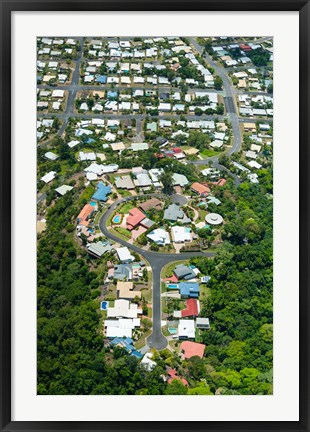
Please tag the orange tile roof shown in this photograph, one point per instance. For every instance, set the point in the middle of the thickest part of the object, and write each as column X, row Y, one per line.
column 84, row 214
column 200, row 188
column 221, row 182
column 191, row 349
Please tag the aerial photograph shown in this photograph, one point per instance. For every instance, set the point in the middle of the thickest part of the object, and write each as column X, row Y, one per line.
column 154, row 215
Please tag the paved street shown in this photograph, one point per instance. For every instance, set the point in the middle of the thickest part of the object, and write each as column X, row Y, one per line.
column 229, row 94
column 157, row 261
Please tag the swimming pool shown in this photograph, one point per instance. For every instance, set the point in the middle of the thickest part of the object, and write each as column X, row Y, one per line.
column 104, row 305
column 93, row 203
column 172, row 286
column 117, row 219
column 172, row 330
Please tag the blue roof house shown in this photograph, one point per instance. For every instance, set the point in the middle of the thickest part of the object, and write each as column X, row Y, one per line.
column 102, row 79
column 112, row 94
column 189, row 289
column 127, row 344
column 102, row 192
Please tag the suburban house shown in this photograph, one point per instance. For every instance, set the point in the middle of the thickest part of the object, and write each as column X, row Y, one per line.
column 99, row 248
column 186, row 329
column 126, row 344
column 122, row 271
column 134, row 218
column 184, row 272
column 102, row 192
column 180, row 234
column 203, row 323
column 189, row 289
column 123, row 309
column 200, row 189
column 85, row 214
column 124, row 182
column 120, row 327
column 151, row 203
column 173, row 375
column 125, row 291
column 174, row 213
column 159, row 236
column 191, row 349
column 192, row 310
column 62, row 190
column 124, row 255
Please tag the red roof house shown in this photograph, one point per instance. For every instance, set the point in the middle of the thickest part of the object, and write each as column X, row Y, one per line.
column 172, row 278
column 85, row 213
column 176, row 150
column 192, row 308
column 134, row 218
column 245, row 47
column 200, row 189
column 191, row 349
column 174, row 375
column 220, row 182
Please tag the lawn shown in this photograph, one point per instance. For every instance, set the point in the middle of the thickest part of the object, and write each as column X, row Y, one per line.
column 147, row 294
column 87, row 193
column 124, row 192
column 125, row 208
column 123, row 231
column 98, row 216
column 167, row 271
column 204, row 291
column 141, row 342
column 202, row 215
column 209, row 153
column 112, row 231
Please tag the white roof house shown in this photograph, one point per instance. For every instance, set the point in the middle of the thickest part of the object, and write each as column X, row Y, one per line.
column 58, row 93
column 180, row 234
column 90, row 156
column 94, row 168
column 62, row 190
column 124, row 254
column 164, row 106
column 251, row 154
column 49, row 177
column 73, row 143
column 214, row 219
column 186, row 329
column 123, row 308
column 91, row 176
column 159, row 236
column 110, row 136
column 147, row 363
column 179, row 180
column 121, row 327
column 51, row 156
column 254, row 164
column 139, row 146
column 216, row 143
column 143, row 180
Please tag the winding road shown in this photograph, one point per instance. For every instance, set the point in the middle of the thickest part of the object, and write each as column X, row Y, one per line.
column 156, row 260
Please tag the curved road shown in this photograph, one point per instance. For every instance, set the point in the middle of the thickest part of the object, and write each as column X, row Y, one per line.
column 156, row 260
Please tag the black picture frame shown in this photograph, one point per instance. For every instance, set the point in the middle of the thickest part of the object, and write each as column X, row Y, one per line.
column 7, row 7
